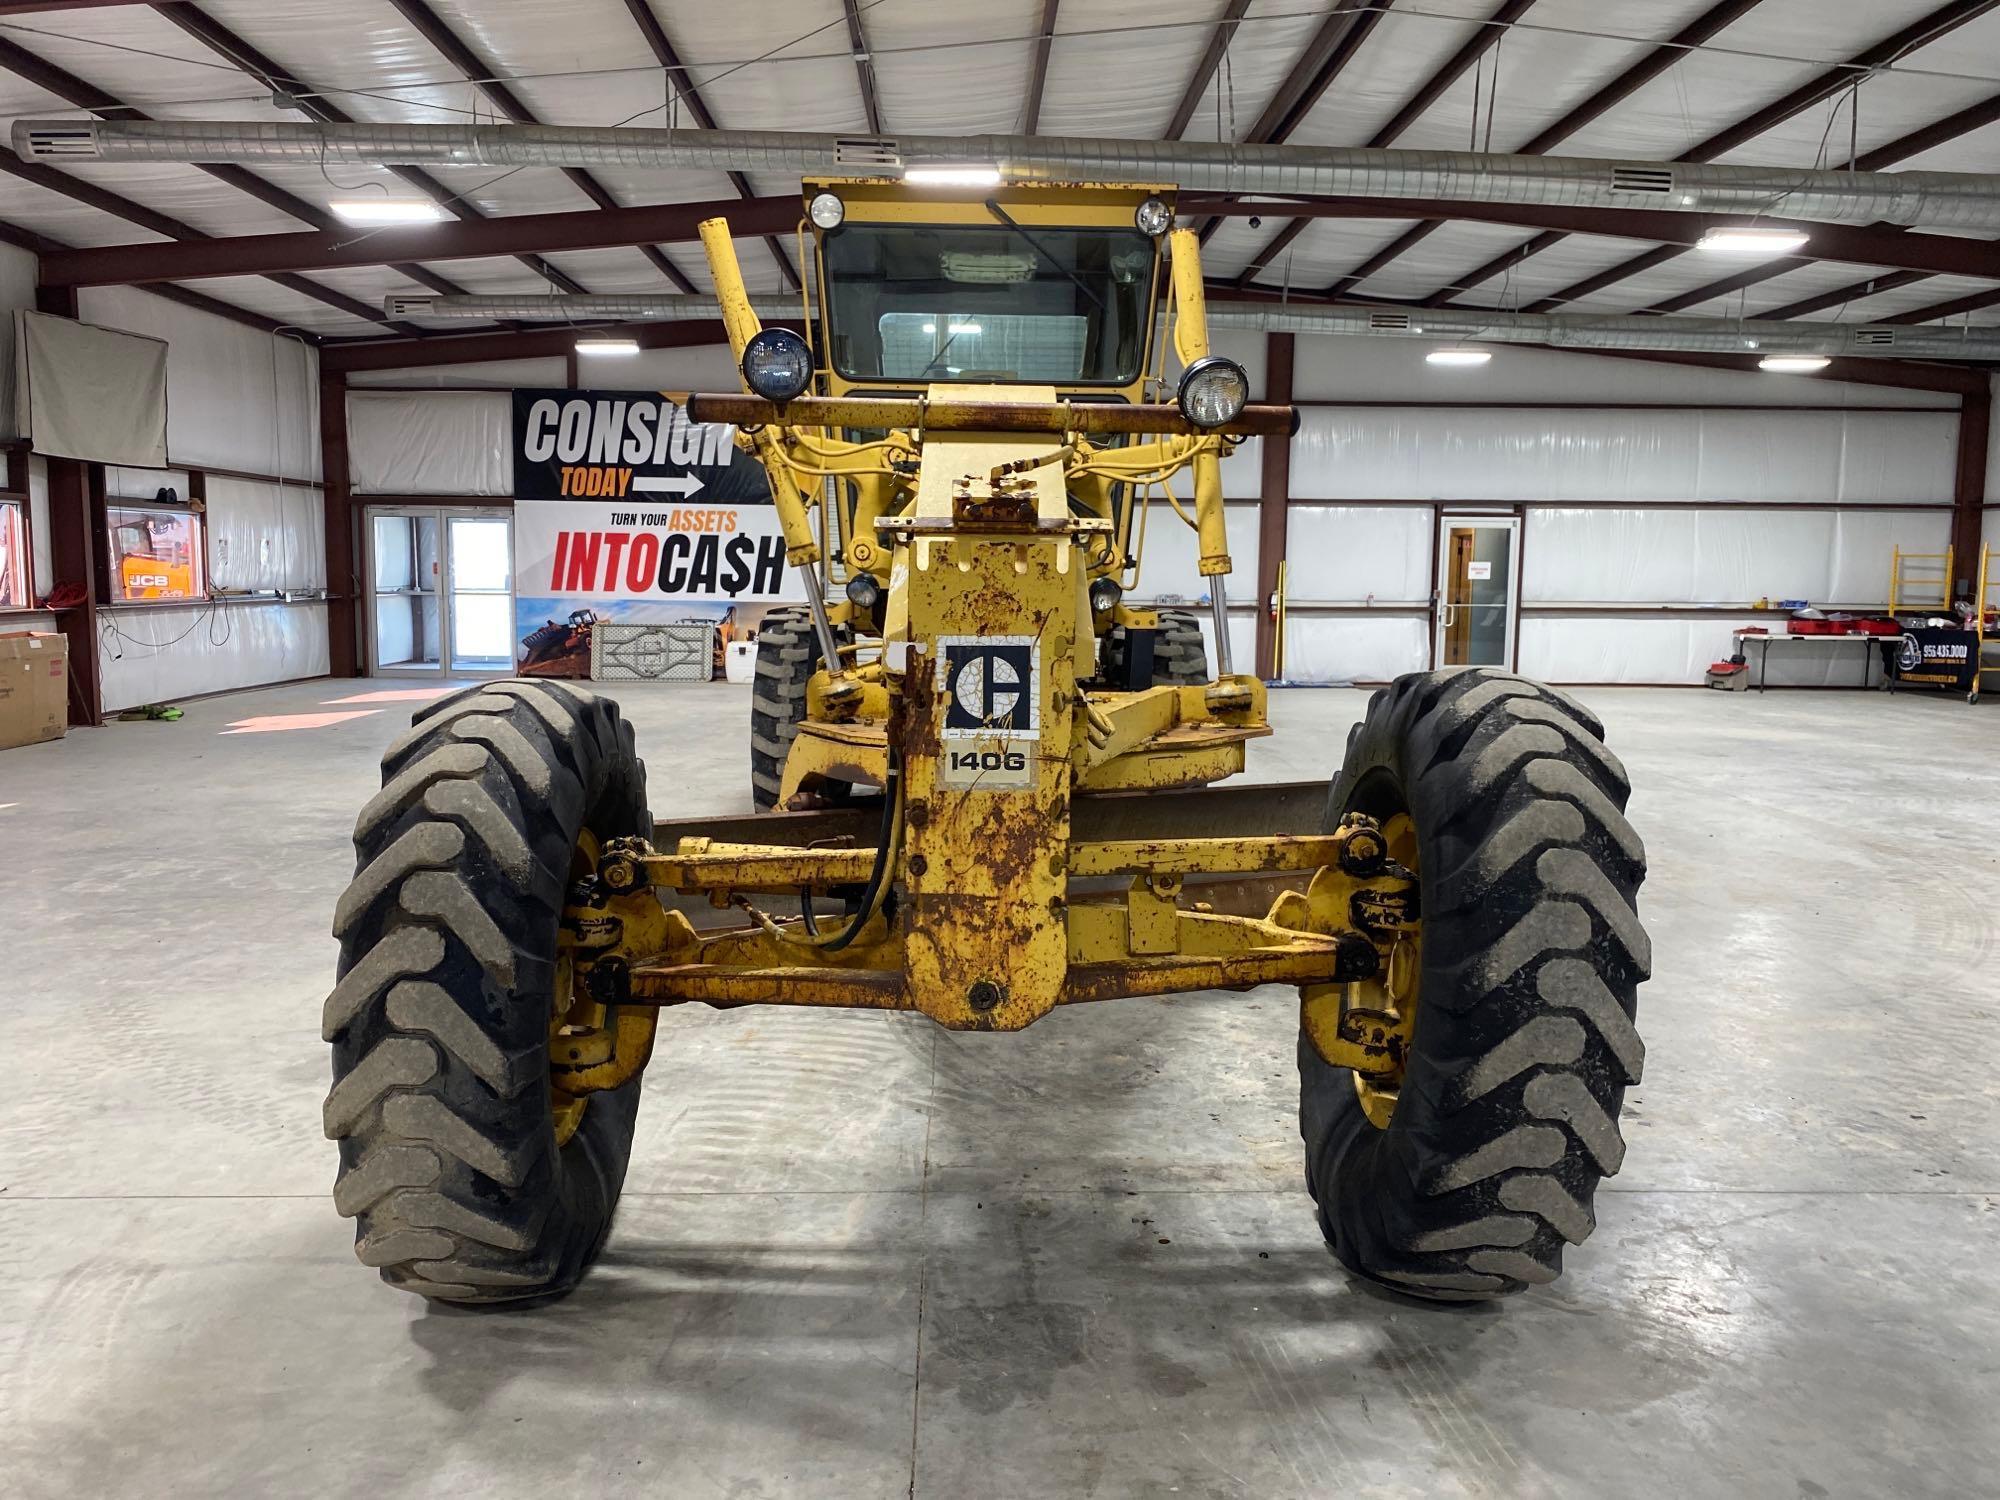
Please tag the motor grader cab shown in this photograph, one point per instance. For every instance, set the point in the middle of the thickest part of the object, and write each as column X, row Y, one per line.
column 990, row 800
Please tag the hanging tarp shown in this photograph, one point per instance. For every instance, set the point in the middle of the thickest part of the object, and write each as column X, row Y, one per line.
column 90, row 393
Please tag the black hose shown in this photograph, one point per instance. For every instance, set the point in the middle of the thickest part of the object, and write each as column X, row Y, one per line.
column 885, row 854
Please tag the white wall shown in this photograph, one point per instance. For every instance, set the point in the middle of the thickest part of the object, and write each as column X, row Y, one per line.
column 1623, row 508
column 17, row 294
column 1643, row 528
column 236, row 399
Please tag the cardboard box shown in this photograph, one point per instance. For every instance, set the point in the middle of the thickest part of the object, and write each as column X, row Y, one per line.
column 34, row 688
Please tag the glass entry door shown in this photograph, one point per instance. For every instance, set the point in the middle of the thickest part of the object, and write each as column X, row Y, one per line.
column 440, row 591
column 1478, row 589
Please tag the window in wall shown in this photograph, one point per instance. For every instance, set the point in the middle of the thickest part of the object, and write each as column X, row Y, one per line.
column 155, row 553
column 14, row 565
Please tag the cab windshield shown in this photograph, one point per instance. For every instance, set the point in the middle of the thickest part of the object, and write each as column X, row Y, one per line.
column 1023, row 303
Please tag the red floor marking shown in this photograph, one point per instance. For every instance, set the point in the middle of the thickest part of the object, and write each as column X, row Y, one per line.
column 278, row 723
column 399, row 695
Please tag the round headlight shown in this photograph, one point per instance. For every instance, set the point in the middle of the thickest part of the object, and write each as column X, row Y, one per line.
column 777, row 365
column 826, row 210
column 864, row 592
column 1154, row 217
column 1213, row 391
column 1104, row 595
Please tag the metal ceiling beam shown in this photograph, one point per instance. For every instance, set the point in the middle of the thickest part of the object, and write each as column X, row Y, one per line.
column 1319, row 65
column 1628, row 82
column 1433, row 88
column 1929, row 137
column 119, row 206
column 225, row 43
column 260, row 254
column 39, row 7
column 1204, row 68
column 864, row 64
column 1815, row 90
column 672, row 223
column 1975, row 302
column 685, row 92
column 1325, row 58
column 1841, row 296
column 537, row 343
column 1038, row 70
column 427, row 24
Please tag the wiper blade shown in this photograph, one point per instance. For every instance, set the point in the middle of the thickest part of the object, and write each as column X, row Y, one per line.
column 1046, row 254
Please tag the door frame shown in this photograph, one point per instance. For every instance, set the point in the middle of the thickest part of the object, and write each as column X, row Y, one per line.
column 443, row 511
column 1508, row 521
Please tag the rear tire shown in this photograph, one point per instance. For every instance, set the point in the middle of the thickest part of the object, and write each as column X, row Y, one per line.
column 1180, row 654
column 1532, row 953
column 440, row 1019
column 788, row 655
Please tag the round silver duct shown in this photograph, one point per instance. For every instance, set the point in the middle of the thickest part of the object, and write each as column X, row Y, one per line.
column 1582, row 331
column 1949, row 200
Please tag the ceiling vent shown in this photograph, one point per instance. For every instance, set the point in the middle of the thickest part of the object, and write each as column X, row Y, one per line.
column 59, row 142
column 1874, row 338
column 1389, row 322
column 866, row 151
column 408, row 307
column 1654, row 182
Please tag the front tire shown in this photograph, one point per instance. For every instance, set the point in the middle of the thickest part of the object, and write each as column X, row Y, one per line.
column 1506, row 1116
column 441, row 1102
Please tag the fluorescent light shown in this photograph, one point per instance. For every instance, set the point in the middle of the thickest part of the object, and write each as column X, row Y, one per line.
column 966, row 176
column 388, row 211
column 1458, row 356
column 607, row 346
column 930, row 328
column 1748, row 240
column 1793, row 364
column 965, row 328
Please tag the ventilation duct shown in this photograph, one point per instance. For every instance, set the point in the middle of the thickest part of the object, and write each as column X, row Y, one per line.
column 1451, row 325
column 1948, row 200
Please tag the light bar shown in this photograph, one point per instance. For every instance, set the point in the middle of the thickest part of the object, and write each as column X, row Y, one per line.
column 1793, row 364
column 1458, row 356
column 961, row 176
column 607, row 346
column 371, row 211
column 1748, row 240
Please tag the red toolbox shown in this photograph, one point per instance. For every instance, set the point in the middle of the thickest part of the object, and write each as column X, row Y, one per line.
column 1876, row 626
column 1797, row 626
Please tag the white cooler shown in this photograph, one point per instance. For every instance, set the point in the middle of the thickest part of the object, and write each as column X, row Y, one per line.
column 739, row 662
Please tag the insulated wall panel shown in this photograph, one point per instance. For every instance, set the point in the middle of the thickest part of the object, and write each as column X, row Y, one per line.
column 1665, row 556
column 17, row 293
column 157, row 654
column 1354, row 648
column 1676, row 649
column 1356, row 554
column 430, row 442
column 236, row 398
column 1652, row 456
column 265, row 536
column 38, row 522
column 1169, row 568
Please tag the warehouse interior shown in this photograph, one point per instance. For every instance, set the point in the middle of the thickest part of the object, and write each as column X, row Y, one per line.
column 280, row 415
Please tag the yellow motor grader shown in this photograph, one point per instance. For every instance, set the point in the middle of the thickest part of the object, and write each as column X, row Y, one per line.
column 995, row 790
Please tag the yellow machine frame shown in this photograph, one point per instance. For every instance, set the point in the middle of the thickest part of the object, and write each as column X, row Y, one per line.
column 1039, row 839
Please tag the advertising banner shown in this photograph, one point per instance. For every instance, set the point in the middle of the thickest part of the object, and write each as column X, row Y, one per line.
column 625, row 512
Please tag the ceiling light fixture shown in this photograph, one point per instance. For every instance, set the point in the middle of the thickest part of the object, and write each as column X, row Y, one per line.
column 1749, row 240
column 372, row 211
column 1793, row 364
column 953, row 176
column 1461, row 357
column 607, row 346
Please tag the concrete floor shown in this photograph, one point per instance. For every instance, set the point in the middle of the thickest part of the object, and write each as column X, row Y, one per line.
column 859, row 1256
